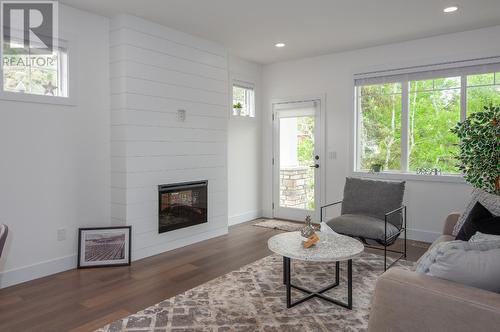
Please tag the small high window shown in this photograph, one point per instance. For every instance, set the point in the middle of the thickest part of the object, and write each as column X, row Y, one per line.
column 36, row 74
column 243, row 100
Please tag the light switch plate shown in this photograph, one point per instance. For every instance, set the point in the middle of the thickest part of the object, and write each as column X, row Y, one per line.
column 61, row 234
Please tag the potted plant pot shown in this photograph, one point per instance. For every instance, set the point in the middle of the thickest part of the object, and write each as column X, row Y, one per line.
column 376, row 168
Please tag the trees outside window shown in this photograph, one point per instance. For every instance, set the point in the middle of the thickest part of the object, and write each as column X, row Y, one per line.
column 434, row 109
column 405, row 125
column 482, row 90
column 380, row 126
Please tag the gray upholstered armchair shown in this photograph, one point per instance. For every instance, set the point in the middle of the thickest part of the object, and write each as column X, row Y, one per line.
column 372, row 211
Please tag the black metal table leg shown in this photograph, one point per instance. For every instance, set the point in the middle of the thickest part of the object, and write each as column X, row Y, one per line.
column 284, row 270
column 337, row 272
column 286, row 262
column 349, row 284
column 319, row 294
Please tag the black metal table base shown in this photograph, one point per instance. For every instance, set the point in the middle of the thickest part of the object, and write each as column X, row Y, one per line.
column 319, row 294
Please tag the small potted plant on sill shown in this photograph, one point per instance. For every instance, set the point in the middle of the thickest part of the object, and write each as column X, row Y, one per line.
column 479, row 154
column 237, row 109
column 376, row 167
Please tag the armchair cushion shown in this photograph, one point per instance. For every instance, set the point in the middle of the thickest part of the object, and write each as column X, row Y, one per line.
column 362, row 226
column 373, row 198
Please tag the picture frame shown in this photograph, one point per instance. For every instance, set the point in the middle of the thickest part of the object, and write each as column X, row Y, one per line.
column 104, row 246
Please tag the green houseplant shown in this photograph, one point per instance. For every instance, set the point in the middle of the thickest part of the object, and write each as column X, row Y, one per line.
column 237, row 108
column 376, row 167
column 479, row 155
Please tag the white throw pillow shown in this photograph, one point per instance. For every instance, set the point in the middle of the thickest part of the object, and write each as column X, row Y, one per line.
column 475, row 264
column 481, row 237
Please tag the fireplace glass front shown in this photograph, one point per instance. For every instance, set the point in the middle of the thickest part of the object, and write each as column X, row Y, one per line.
column 182, row 205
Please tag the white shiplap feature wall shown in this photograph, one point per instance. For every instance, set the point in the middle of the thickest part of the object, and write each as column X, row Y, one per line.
column 156, row 71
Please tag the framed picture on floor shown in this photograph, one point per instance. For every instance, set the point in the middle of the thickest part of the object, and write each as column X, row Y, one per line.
column 104, row 246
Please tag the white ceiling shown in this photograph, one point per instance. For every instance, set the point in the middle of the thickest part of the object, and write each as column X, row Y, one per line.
column 250, row 28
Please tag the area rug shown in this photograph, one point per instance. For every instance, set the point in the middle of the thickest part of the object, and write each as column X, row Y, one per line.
column 253, row 299
column 282, row 225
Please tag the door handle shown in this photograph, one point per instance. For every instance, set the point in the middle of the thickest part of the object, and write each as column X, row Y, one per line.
column 314, row 166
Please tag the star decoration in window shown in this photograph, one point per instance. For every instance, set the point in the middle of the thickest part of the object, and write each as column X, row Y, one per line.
column 49, row 88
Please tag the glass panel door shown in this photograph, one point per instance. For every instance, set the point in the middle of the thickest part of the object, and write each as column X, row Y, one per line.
column 296, row 161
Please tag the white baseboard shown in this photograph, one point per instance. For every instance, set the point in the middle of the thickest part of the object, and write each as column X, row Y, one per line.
column 182, row 242
column 38, row 270
column 46, row 268
column 420, row 235
column 244, row 217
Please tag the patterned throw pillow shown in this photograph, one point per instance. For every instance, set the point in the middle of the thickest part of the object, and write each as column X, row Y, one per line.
column 480, row 219
column 481, row 237
column 474, row 264
column 489, row 201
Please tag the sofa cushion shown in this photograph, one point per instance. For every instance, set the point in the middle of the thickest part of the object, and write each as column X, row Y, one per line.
column 474, row 264
column 441, row 239
column 479, row 220
column 363, row 227
column 373, row 198
column 489, row 201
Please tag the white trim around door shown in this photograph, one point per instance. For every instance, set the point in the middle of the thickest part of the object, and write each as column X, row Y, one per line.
column 304, row 106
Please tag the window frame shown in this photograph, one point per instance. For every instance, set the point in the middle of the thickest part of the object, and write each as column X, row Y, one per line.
column 69, row 77
column 247, row 86
column 404, row 172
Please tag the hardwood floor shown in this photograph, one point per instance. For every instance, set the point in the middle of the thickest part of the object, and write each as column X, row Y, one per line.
column 84, row 300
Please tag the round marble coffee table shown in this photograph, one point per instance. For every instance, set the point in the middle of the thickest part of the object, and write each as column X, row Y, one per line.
column 330, row 248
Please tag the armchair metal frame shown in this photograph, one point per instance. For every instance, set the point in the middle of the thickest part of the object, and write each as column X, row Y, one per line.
column 391, row 239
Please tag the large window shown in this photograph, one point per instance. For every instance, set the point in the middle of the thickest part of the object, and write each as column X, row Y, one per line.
column 404, row 121
column 37, row 74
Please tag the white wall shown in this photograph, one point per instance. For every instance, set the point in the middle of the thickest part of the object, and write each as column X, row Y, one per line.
column 55, row 160
column 245, row 149
column 428, row 202
column 156, row 71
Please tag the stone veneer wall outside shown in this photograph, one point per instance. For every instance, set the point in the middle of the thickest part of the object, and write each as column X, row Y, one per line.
column 293, row 186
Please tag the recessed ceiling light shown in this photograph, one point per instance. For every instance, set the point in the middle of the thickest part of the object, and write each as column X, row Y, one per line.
column 450, row 9
column 279, row 44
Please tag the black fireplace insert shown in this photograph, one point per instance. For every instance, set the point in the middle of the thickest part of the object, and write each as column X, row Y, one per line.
column 182, row 205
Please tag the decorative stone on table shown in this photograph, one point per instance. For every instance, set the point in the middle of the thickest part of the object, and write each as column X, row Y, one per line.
column 308, row 233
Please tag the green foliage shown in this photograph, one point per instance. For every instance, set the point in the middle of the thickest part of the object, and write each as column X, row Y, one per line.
column 305, row 153
column 479, row 157
column 238, row 106
column 305, row 144
column 434, row 107
column 481, row 91
column 381, row 126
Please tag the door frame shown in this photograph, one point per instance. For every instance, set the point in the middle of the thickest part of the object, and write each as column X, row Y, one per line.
column 320, row 146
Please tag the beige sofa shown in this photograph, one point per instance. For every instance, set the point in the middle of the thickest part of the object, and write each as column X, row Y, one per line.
column 407, row 301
